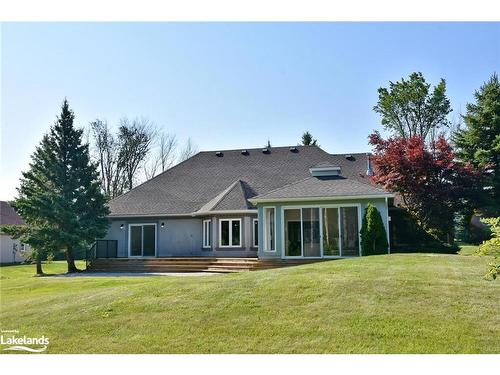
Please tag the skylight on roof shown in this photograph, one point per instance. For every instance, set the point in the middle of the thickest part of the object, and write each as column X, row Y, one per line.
column 325, row 171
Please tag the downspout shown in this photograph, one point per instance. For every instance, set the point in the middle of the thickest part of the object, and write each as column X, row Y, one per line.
column 387, row 219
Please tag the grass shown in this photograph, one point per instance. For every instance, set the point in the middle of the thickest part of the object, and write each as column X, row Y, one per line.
column 468, row 249
column 401, row 303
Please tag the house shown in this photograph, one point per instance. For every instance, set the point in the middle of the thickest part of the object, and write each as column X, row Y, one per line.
column 11, row 250
column 271, row 203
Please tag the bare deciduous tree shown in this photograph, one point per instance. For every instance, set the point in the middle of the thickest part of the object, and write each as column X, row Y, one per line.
column 106, row 153
column 164, row 156
column 135, row 140
column 168, row 145
column 189, row 150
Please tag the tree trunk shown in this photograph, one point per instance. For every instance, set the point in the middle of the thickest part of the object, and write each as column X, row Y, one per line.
column 39, row 270
column 71, row 260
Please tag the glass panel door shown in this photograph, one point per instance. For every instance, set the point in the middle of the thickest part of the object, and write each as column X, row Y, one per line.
column 331, row 245
column 293, row 235
column 310, row 231
column 349, row 231
column 148, row 241
column 143, row 240
column 135, row 241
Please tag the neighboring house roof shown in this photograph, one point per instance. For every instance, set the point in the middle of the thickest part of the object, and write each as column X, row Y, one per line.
column 322, row 187
column 213, row 181
column 8, row 216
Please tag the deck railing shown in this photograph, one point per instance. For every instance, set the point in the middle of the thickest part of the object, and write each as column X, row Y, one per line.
column 101, row 249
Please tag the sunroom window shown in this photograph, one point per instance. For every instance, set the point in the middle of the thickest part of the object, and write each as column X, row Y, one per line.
column 255, row 233
column 269, row 229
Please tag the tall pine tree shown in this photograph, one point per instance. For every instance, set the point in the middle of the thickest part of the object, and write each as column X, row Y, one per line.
column 479, row 143
column 59, row 196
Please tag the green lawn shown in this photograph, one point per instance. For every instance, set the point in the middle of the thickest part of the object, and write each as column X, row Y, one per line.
column 468, row 249
column 407, row 303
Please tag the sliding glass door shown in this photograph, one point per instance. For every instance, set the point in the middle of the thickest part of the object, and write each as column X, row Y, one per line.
column 331, row 232
column 349, row 231
column 314, row 232
column 310, row 229
column 142, row 240
column 293, row 233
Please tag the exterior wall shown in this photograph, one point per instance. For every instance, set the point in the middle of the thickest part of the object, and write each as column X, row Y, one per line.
column 7, row 255
column 379, row 203
column 183, row 236
column 246, row 249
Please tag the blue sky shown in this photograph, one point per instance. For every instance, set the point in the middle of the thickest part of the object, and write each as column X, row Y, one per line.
column 227, row 85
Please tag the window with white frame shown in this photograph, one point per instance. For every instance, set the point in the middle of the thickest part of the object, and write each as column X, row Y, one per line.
column 269, row 229
column 207, row 234
column 230, row 232
column 255, row 232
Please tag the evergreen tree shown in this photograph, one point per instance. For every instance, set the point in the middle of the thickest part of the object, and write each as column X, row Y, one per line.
column 59, row 196
column 307, row 139
column 479, row 143
column 373, row 234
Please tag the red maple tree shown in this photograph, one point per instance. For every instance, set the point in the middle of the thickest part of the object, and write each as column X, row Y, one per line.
column 427, row 177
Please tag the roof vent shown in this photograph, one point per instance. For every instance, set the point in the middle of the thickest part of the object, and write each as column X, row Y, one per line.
column 244, row 152
column 293, row 149
column 369, row 170
column 219, row 154
column 349, row 157
column 265, row 150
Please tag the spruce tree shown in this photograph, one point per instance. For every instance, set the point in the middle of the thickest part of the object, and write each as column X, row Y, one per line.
column 308, row 140
column 59, row 196
column 479, row 143
column 373, row 234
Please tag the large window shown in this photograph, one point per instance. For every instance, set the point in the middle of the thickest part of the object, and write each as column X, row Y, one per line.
column 142, row 240
column 255, row 227
column 230, row 232
column 314, row 232
column 269, row 229
column 310, row 232
column 350, row 231
column 207, row 234
column 293, row 232
column 331, row 233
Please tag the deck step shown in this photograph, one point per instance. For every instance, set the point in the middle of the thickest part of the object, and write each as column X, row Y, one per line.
column 191, row 264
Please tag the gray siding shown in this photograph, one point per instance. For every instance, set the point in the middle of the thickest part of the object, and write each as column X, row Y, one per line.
column 183, row 236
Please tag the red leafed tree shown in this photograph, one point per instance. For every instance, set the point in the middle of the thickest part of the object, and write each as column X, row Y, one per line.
column 431, row 183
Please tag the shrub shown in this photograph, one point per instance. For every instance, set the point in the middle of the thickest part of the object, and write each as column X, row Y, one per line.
column 373, row 234
column 492, row 247
column 407, row 236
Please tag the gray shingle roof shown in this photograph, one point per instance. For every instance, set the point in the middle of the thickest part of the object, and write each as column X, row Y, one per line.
column 322, row 187
column 8, row 216
column 207, row 180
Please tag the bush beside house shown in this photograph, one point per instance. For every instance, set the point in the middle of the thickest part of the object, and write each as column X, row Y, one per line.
column 373, row 234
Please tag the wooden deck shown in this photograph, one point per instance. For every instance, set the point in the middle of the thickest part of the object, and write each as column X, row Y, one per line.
column 191, row 264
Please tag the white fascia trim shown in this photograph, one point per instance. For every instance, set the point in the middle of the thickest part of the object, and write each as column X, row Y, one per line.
column 193, row 214
column 131, row 216
column 228, row 212
column 305, row 199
